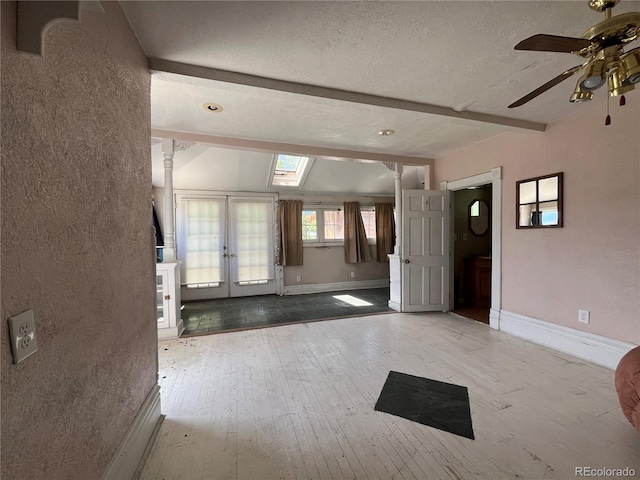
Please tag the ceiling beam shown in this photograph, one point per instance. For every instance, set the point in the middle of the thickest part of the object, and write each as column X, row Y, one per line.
column 288, row 148
column 160, row 65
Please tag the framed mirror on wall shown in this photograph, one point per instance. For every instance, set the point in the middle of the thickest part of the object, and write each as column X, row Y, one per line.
column 539, row 202
column 478, row 217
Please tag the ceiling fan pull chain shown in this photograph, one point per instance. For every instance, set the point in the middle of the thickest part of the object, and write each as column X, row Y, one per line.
column 607, row 121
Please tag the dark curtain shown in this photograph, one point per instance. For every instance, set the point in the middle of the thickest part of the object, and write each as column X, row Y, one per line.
column 385, row 231
column 290, row 229
column 356, row 247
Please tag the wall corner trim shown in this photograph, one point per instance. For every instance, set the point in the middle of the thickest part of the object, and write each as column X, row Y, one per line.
column 587, row 346
column 136, row 444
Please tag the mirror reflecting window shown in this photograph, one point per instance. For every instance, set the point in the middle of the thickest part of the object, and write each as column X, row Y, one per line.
column 478, row 218
column 539, row 202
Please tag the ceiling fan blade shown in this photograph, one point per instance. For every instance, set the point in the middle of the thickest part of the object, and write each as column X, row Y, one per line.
column 551, row 83
column 553, row 43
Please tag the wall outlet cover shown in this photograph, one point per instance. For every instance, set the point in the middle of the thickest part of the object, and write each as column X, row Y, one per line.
column 22, row 330
column 583, row 316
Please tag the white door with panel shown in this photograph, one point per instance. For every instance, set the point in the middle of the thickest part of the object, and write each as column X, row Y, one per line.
column 425, row 250
column 226, row 245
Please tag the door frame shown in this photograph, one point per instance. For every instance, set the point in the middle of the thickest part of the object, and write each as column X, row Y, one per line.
column 494, row 177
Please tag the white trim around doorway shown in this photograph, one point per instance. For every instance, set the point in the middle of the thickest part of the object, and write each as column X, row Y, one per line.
column 494, row 177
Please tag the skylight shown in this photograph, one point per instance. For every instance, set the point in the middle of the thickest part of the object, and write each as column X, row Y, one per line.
column 289, row 170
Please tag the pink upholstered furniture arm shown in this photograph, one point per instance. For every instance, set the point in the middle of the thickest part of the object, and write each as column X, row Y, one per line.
column 628, row 386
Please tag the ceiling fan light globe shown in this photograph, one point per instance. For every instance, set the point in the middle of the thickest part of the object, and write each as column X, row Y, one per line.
column 593, row 82
column 580, row 95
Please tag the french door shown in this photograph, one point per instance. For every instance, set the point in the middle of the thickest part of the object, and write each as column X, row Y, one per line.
column 226, row 245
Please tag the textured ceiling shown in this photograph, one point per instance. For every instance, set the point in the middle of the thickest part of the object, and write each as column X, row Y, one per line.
column 453, row 54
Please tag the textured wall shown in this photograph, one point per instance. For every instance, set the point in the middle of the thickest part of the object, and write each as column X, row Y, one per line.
column 593, row 262
column 76, row 244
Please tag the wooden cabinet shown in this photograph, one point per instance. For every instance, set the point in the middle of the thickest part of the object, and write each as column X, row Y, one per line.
column 170, row 325
column 477, row 276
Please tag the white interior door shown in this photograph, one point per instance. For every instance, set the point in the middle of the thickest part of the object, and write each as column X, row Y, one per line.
column 425, row 250
column 251, row 246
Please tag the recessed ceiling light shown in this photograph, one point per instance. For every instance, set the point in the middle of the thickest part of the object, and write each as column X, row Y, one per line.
column 212, row 107
column 386, row 132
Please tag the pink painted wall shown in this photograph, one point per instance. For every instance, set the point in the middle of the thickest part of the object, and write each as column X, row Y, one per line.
column 593, row 262
column 76, row 244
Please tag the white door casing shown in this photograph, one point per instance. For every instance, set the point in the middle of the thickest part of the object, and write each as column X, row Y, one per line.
column 425, row 250
column 494, row 176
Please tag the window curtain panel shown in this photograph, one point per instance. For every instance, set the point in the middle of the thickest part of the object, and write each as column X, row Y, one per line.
column 290, row 238
column 385, row 231
column 356, row 247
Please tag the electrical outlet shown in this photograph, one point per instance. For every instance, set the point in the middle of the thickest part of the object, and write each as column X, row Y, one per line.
column 298, row 278
column 22, row 329
column 583, row 316
column 353, row 274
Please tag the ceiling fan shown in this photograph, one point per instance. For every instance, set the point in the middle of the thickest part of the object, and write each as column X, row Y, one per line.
column 603, row 47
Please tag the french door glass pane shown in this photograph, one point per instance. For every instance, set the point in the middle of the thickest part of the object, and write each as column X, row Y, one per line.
column 254, row 241
column 204, row 241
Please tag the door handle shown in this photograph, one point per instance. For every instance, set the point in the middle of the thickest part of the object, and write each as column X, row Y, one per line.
column 232, row 255
column 406, row 260
column 224, row 254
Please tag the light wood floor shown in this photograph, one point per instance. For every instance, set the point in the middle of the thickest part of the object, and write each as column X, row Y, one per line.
column 296, row 402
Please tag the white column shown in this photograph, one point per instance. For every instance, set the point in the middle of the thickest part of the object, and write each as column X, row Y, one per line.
column 169, row 251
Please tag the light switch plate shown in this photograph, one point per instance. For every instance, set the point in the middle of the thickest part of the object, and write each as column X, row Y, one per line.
column 22, row 329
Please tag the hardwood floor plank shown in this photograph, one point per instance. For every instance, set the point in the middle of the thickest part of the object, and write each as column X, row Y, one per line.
column 297, row 402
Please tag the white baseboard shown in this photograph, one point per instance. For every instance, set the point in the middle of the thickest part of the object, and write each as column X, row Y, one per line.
column 134, row 448
column 171, row 332
column 335, row 287
column 494, row 318
column 587, row 346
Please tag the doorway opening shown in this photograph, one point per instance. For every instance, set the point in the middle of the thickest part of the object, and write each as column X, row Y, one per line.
column 472, row 252
column 493, row 178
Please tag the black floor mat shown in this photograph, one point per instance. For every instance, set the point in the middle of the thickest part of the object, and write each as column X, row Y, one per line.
column 437, row 404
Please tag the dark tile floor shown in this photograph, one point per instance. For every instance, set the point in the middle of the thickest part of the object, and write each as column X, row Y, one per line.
column 210, row 316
